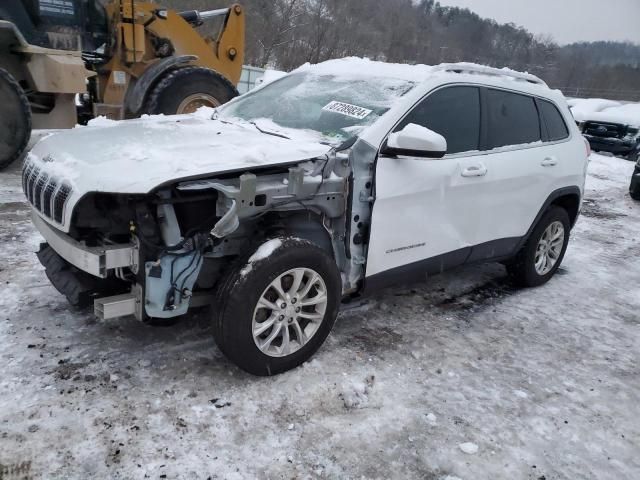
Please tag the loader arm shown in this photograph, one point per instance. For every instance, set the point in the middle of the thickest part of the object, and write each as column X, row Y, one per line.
column 149, row 44
column 225, row 54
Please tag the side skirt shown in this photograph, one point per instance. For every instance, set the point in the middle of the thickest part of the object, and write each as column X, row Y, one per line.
column 495, row 250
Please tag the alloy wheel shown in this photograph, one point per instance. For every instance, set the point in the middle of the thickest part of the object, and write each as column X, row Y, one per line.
column 549, row 248
column 289, row 312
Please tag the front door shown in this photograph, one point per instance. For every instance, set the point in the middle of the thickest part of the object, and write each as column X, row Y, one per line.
column 425, row 209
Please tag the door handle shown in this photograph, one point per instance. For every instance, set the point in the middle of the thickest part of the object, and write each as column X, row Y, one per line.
column 549, row 162
column 478, row 170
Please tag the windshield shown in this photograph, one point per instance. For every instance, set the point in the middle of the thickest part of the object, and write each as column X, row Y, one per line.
column 332, row 108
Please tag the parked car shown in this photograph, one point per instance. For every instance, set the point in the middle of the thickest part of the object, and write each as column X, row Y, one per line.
column 333, row 181
column 634, row 187
column 614, row 129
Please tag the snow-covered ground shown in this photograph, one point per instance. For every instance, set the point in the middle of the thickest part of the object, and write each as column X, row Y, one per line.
column 462, row 377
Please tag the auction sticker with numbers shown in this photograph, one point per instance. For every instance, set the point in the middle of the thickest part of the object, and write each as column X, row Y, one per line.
column 347, row 109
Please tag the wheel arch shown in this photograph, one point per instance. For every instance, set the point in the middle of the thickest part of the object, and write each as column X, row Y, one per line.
column 568, row 198
column 136, row 96
column 308, row 225
column 182, row 75
column 10, row 60
column 570, row 201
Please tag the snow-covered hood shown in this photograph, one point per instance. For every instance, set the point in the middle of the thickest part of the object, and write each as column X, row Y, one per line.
column 628, row 114
column 138, row 155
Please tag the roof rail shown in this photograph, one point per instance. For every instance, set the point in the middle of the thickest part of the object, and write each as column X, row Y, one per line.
column 472, row 68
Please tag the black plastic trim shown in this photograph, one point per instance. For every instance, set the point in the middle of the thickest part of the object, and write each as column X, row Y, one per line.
column 493, row 251
column 405, row 152
column 417, row 271
column 483, row 142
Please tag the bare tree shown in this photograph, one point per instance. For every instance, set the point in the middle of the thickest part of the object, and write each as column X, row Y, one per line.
column 286, row 33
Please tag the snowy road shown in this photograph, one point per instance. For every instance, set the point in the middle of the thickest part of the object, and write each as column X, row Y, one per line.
column 461, row 377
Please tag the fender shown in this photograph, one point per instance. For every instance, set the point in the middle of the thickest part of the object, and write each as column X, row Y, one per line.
column 136, row 95
column 555, row 195
column 17, row 25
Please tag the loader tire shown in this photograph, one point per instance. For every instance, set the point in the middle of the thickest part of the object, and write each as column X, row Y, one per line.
column 186, row 89
column 15, row 120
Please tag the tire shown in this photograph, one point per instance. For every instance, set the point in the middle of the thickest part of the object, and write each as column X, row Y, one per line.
column 15, row 120
column 523, row 269
column 183, row 89
column 237, row 314
column 634, row 191
column 77, row 286
column 633, row 156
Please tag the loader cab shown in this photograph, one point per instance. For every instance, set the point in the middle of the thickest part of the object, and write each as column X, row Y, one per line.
column 61, row 25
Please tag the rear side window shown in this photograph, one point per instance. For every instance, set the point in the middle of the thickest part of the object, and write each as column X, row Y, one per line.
column 556, row 128
column 513, row 119
column 454, row 113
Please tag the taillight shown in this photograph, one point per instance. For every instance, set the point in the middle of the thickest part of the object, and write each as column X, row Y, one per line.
column 586, row 143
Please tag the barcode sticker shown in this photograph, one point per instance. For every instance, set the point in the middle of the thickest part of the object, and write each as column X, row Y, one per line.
column 347, row 109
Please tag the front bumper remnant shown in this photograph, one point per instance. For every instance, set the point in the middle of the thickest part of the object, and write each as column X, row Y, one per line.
column 96, row 261
column 119, row 305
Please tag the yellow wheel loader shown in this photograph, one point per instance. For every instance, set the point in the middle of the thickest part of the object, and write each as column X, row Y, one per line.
column 124, row 58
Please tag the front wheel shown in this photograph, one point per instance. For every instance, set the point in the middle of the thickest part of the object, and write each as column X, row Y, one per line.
column 542, row 254
column 186, row 89
column 275, row 310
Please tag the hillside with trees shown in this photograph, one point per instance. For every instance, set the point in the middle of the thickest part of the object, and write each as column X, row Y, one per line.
column 284, row 34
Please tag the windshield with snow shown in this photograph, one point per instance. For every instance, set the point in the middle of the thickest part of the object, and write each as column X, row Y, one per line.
column 332, row 108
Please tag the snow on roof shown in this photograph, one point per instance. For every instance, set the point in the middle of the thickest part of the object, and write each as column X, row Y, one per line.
column 364, row 67
column 361, row 67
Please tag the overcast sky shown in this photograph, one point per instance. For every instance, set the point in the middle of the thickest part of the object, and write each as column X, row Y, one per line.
column 566, row 21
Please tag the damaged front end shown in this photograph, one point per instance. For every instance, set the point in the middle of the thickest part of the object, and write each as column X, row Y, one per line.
column 157, row 255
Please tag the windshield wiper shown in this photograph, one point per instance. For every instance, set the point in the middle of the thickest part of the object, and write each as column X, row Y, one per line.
column 348, row 143
column 268, row 132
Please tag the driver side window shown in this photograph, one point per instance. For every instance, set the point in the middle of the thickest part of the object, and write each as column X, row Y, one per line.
column 454, row 113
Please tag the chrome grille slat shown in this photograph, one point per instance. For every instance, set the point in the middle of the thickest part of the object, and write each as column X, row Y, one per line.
column 45, row 193
column 47, row 197
column 38, row 189
column 32, row 178
column 60, row 201
column 26, row 171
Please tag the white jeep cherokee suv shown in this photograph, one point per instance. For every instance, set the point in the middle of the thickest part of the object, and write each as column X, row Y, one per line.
column 335, row 180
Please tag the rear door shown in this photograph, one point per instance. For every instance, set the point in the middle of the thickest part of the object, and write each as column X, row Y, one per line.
column 509, row 198
column 523, row 165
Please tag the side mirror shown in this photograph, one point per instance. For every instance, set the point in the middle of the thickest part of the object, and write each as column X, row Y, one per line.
column 415, row 141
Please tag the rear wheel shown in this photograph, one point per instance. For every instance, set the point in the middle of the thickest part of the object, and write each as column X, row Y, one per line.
column 542, row 254
column 275, row 311
column 15, row 120
column 186, row 89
